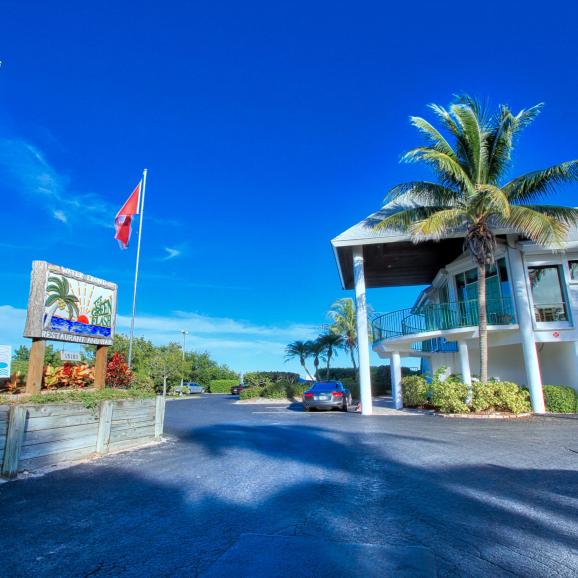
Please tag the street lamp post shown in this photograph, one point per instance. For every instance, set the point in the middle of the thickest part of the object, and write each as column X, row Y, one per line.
column 184, row 334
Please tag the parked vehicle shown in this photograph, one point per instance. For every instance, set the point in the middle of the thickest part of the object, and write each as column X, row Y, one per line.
column 189, row 388
column 237, row 389
column 327, row 395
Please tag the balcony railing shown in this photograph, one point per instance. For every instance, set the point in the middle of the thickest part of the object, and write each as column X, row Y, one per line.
column 441, row 317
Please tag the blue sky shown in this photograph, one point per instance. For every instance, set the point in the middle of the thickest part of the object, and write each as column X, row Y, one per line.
column 267, row 128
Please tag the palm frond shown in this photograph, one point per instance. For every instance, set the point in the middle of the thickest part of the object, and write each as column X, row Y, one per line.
column 449, row 169
column 435, row 138
column 422, row 193
column 403, row 218
column 438, row 224
column 539, row 184
column 490, row 201
column 536, row 224
column 472, row 140
column 527, row 117
column 445, row 118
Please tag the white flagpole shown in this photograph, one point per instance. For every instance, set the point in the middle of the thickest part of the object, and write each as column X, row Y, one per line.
column 144, row 184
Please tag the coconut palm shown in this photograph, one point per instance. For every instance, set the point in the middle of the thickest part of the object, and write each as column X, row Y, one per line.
column 301, row 350
column 344, row 324
column 330, row 342
column 472, row 194
column 316, row 350
column 59, row 297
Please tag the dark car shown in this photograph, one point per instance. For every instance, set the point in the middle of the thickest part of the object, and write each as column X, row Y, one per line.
column 327, row 395
column 237, row 389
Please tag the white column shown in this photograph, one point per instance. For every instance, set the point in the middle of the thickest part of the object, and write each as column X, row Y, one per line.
column 362, row 332
column 396, row 390
column 465, row 367
column 465, row 362
column 524, row 317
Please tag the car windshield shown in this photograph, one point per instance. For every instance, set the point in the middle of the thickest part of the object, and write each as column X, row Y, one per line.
column 320, row 387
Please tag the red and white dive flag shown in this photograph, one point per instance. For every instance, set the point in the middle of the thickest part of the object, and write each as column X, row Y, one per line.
column 123, row 219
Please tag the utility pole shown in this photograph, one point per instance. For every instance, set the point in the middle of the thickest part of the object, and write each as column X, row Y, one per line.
column 184, row 334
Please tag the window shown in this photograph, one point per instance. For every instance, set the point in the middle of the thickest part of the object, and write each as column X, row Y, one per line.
column 548, row 293
column 573, row 270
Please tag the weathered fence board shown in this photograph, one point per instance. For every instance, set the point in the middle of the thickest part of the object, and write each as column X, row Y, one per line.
column 32, row 437
column 59, row 421
column 47, row 435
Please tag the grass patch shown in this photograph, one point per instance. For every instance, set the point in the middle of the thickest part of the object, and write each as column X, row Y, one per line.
column 89, row 399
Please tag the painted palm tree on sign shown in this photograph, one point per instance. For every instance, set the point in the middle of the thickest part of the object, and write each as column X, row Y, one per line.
column 301, row 351
column 472, row 193
column 59, row 298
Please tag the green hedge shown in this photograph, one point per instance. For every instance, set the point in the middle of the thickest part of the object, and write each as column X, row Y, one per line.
column 265, row 378
column 222, row 385
column 416, row 391
column 251, row 393
column 560, row 399
column 500, row 396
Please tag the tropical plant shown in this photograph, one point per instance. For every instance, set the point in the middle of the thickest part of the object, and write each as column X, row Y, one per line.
column 470, row 193
column 344, row 324
column 59, row 297
column 316, row 351
column 300, row 350
column 330, row 342
column 118, row 373
column 68, row 376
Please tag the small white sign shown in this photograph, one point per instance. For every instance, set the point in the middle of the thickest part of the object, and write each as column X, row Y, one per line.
column 5, row 358
column 69, row 356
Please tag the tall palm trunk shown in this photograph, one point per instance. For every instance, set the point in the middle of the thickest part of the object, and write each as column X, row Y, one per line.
column 329, row 354
column 306, row 370
column 316, row 364
column 483, row 323
column 352, row 353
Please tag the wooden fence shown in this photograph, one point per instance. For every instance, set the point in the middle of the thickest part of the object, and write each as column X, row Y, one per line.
column 34, row 436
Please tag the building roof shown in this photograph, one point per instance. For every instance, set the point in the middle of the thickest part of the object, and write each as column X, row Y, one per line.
column 392, row 259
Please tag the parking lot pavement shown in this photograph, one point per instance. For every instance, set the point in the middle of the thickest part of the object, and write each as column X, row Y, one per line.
column 484, row 498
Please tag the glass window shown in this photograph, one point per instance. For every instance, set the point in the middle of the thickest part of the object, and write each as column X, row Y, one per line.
column 573, row 270
column 548, row 293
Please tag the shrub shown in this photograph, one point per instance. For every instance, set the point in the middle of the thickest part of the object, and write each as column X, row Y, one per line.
column 251, row 393
column 500, row 396
column 265, row 378
column 276, row 390
column 118, row 374
column 68, row 376
column 448, row 395
column 352, row 386
column 142, row 383
column 415, row 391
column 560, row 399
column 297, row 389
column 222, row 385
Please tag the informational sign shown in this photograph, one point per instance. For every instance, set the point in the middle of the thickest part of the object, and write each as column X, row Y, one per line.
column 5, row 358
column 66, row 305
column 70, row 356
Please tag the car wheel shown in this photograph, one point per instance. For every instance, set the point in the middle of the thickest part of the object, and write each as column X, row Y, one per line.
column 305, row 408
column 344, row 407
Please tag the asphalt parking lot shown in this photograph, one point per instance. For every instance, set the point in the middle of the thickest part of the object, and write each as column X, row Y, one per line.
column 484, row 498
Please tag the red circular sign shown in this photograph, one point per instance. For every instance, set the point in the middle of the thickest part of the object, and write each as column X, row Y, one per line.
column 556, row 334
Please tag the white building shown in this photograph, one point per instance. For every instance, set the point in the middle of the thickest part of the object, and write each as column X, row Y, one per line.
column 532, row 307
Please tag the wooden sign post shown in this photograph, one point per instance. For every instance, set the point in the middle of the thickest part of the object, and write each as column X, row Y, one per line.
column 66, row 305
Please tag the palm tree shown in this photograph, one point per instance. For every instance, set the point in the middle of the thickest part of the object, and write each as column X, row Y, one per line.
column 342, row 314
column 330, row 342
column 316, row 350
column 59, row 297
column 301, row 350
column 470, row 193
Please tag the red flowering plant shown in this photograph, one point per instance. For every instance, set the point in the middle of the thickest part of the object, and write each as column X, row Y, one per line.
column 118, row 374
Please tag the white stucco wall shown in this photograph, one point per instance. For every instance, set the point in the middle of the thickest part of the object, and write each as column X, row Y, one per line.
column 558, row 363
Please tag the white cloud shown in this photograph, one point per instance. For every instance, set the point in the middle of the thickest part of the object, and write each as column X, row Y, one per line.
column 171, row 253
column 242, row 345
column 60, row 216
